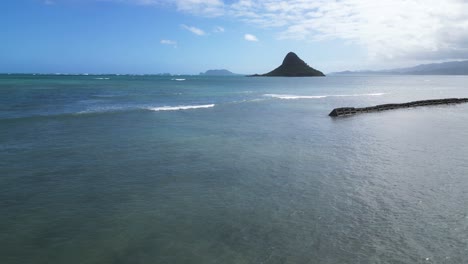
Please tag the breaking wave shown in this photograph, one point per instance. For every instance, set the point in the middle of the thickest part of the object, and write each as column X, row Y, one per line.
column 180, row 107
column 107, row 109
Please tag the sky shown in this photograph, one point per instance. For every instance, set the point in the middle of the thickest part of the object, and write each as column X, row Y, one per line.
column 243, row 36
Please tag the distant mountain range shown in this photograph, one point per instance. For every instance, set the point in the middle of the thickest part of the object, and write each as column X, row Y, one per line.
column 221, row 72
column 445, row 68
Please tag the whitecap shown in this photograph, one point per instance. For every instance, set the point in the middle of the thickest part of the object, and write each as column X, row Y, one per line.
column 248, row 101
column 255, row 100
column 180, row 107
column 102, row 78
column 103, row 109
column 291, row 96
column 178, row 79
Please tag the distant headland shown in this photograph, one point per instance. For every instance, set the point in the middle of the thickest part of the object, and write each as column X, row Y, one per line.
column 445, row 68
column 221, row 72
column 293, row 66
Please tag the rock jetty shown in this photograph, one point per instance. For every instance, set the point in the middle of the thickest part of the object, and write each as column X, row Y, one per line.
column 292, row 66
column 346, row 111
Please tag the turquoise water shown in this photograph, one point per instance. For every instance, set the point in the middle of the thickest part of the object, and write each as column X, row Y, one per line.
column 146, row 169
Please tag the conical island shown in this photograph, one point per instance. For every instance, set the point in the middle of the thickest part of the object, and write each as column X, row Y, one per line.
column 293, row 66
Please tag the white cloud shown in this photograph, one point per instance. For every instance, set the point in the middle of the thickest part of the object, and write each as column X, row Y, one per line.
column 210, row 8
column 218, row 29
column 137, row 2
column 194, row 30
column 201, row 7
column 250, row 37
column 169, row 42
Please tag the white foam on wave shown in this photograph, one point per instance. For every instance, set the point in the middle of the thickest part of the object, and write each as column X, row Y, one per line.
column 180, row 107
column 103, row 109
column 122, row 108
column 178, row 79
column 102, row 78
column 255, row 100
column 292, row 97
column 248, row 101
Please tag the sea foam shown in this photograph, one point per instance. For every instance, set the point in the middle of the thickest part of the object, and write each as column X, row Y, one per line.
column 121, row 108
column 291, row 96
column 104, row 109
column 179, row 107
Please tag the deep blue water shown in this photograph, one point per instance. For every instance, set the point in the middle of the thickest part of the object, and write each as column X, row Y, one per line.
column 145, row 169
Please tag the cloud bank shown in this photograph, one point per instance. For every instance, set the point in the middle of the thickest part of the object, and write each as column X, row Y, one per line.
column 416, row 29
column 388, row 29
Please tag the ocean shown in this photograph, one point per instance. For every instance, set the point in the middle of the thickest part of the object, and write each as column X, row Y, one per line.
column 192, row 169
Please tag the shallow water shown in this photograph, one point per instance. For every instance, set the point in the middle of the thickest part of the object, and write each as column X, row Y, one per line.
column 143, row 169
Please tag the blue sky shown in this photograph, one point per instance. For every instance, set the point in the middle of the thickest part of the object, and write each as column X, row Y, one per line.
column 244, row 36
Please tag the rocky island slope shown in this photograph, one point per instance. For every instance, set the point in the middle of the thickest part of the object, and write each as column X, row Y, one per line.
column 293, row 66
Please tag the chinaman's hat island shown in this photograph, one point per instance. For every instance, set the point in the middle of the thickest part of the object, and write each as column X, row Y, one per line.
column 292, row 66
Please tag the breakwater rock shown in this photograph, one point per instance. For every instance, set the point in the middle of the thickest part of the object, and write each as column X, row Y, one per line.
column 346, row 111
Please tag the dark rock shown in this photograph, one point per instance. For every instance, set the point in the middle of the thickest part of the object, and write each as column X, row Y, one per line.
column 346, row 111
column 293, row 66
